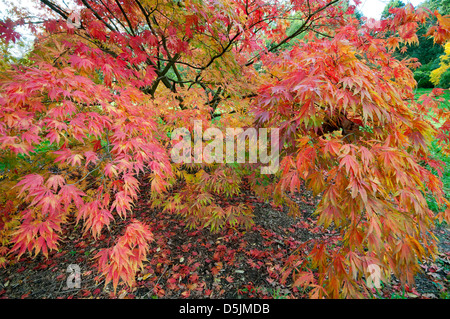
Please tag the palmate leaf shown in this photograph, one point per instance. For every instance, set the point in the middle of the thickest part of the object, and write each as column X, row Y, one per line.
column 121, row 261
column 37, row 236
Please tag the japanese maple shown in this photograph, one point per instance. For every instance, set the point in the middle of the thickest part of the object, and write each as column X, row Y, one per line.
column 87, row 118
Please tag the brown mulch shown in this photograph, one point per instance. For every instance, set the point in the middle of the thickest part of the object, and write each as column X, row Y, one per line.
column 187, row 263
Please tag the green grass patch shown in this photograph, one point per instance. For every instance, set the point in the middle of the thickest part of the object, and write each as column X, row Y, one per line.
column 436, row 152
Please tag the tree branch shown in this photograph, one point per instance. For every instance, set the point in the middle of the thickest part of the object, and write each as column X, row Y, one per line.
column 126, row 18
column 301, row 29
column 56, row 8
column 97, row 15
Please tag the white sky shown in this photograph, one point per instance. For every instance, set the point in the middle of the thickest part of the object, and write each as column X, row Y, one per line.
column 373, row 8
column 370, row 8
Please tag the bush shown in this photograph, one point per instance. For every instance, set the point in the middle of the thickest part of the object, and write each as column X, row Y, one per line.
column 422, row 74
column 423, row 79
column 445, row 80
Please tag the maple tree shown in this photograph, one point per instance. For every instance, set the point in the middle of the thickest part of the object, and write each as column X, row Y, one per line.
column 88, row 118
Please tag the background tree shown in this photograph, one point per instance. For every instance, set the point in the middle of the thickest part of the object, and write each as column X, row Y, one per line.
column 442, row 6
column 438, row 70
column 425, row 50
column 391, row 4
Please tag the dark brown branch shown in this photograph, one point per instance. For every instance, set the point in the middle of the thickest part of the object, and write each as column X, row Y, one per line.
column 215, row 100
column 161, row 76
column 126, row 18
column 177, row 73
column 301, row 29
column 249, row 96
column 183, row 63
column 112, row 14
column 146, row 13
column 97, row 15
column 56, row 8
column 217, row 56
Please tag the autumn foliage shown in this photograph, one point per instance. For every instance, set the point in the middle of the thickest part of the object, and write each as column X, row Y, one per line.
column 87, row 119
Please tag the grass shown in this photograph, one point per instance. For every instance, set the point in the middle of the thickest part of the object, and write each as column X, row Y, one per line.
column 446, row 94
column 436, row 152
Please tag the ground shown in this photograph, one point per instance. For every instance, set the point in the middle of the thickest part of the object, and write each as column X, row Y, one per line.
column 187, row 263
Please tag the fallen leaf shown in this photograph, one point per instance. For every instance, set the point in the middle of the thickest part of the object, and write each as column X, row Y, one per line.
column 146, row 276
column 123, row 294
column 185, row 294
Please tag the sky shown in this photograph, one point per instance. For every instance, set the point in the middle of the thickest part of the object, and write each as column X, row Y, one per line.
column 373, row 8
column 370, row 8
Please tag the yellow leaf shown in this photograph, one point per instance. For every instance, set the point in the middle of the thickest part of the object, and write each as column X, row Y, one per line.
column 146, row 276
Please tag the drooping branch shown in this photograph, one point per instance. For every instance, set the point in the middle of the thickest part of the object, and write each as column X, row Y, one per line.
column 302, row 28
